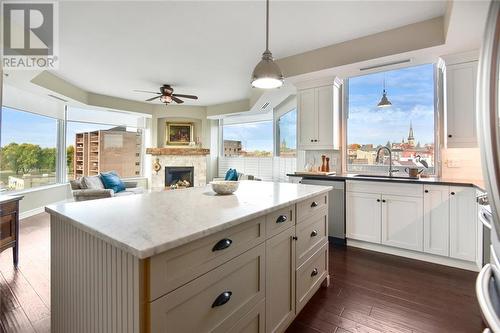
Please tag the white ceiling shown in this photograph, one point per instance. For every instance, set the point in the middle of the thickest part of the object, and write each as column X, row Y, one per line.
column 207, row 48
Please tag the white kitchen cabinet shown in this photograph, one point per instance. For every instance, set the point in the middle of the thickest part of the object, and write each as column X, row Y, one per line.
column 319, row 117
column 461, row 105
column 280, row 281
column 402, row 222
column 436, row 219
column 363, row 214
column 463, row 223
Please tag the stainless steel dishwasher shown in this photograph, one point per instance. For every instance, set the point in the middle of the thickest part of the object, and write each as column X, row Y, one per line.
column 336, row 207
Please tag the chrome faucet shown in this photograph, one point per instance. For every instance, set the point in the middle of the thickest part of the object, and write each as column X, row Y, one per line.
column 391, row 170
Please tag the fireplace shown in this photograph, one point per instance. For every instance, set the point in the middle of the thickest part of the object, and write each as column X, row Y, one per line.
column 179, row 177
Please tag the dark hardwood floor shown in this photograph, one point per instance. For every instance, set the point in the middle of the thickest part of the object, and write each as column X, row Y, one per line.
column 370, row 292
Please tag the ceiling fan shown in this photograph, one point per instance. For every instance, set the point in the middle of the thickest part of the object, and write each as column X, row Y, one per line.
column 166, row 95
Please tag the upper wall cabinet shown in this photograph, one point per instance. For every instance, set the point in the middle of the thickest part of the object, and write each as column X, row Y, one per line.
column 460, row 103
column 319, row 116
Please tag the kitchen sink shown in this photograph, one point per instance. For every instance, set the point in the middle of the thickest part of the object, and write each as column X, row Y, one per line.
column 385, row 177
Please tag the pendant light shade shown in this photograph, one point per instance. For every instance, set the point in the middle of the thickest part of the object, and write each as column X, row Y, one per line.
column 384, row 101
column 267, row 74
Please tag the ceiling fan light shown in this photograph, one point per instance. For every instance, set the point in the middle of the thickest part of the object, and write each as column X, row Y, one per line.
column 267, row 74
column 166, row 99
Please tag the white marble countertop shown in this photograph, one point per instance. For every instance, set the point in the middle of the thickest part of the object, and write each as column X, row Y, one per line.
column 151, row 223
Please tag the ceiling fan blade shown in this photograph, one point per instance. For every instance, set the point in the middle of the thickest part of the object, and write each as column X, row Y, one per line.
column 152, row 98
column 177, row 100
column 149, row 92
column 186, row 96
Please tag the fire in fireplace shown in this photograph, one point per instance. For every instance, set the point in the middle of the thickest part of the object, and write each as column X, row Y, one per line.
column 179, row 177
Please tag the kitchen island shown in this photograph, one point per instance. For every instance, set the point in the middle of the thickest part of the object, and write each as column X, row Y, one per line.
column 189, row 260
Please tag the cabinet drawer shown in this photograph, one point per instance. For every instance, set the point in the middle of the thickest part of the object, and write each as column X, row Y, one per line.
column 279, row 220
column 7, row 229
column 8, row 208
column 311, row 234
column 201, row 306
column 174, row 268
column 414, row 190
column 253, row 322
column 310, row 206
column 310, row 275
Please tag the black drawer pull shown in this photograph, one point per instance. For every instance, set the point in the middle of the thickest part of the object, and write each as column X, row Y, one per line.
column 281, row 219
column 426, row 191
column 378, row 200
column 222, row 244
column 314, row 272
column 314, row 233
column 452, row 193
column 222, row 299
column 383, row 200
column 314, row 204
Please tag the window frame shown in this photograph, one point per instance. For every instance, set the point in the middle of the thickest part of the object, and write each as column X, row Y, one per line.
column 221, row 138
column 59, row 177
column 277, row 132
column 438, row 111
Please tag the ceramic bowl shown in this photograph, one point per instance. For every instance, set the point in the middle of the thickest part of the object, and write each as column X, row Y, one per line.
column 224, row 186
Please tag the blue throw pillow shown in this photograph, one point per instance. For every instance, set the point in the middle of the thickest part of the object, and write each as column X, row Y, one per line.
column 231, row 174
column 112, row 181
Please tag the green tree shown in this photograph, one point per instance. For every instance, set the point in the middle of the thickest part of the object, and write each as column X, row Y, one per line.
column 30, row 156
column 11, row 160
column 70, row 152
column 47, row 159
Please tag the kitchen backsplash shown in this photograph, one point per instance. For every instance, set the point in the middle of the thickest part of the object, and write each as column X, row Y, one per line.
column 314, row 157
column 461, row 163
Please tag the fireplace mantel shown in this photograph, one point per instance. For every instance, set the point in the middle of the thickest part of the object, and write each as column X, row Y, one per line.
column 178, row 151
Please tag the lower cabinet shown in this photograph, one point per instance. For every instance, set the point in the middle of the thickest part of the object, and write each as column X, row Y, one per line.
column 402, row 222
column 463, row 223
column 363, row 215
column 436, row 219
column 280, row 281
column 253, row 322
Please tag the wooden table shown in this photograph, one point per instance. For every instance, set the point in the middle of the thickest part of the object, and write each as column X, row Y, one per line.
column 9, row 224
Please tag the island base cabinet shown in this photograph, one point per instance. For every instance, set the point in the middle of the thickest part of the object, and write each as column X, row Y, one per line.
column 252, row 322
column 216, row 301
column 280, row 281
column 310, row 275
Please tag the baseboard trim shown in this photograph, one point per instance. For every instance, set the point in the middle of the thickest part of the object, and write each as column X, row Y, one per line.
column 31, row 212
column 470, row 266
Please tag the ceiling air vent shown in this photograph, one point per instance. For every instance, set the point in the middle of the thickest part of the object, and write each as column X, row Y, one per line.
column 385, row 64
column 58, row 98
column 263, row 107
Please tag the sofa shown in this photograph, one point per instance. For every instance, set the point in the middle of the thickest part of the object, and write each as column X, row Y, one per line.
column 92, row 187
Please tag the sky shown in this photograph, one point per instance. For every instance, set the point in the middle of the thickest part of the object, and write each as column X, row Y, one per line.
column 253, row 136
column 411, row 92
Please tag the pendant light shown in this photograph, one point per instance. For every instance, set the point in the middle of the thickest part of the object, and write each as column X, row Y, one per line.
column 267, row 74
column 384, row 101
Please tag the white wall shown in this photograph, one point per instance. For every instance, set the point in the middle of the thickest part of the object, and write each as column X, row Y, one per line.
column 36, row 199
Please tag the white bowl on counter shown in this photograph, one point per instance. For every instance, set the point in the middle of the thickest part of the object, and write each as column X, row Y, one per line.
column 224, row 187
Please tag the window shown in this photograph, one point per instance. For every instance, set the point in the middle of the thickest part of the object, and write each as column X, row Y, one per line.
column 253, row 139
column 407, row 127
column 287, row 134
column 28, row 150
column 94, row 148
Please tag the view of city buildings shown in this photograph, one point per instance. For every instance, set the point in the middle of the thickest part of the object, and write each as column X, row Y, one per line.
column 407, row 153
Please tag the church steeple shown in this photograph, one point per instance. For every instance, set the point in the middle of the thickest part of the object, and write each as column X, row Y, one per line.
column 411, row 138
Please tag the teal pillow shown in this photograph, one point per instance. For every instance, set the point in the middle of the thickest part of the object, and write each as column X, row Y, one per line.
column 231, row 174
column 112, row 181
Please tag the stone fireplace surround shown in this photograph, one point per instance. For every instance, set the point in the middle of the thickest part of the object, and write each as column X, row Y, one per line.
column 179, row 157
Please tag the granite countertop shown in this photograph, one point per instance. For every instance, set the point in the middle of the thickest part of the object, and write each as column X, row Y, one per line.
column 477, row 183
column 151, row 223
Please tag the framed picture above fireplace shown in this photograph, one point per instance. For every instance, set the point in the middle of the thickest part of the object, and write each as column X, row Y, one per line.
column 179, row 133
